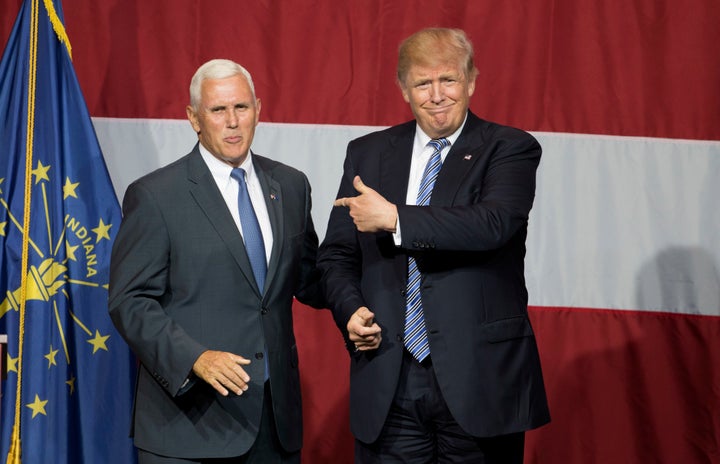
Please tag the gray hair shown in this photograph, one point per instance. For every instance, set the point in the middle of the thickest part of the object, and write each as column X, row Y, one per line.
column 216, row 69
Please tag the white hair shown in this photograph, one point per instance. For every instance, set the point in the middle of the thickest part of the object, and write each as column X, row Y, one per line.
column 216, row 69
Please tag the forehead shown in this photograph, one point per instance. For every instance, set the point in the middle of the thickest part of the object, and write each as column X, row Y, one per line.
column 434, row 70
column 234, row 88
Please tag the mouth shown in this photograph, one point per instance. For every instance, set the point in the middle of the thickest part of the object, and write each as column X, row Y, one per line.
column 438, row 109
column 233, row 139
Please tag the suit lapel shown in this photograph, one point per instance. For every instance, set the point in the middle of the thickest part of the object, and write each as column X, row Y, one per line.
column 272, row 193
column 461, row 158
column 205, row 192
column 396, row 159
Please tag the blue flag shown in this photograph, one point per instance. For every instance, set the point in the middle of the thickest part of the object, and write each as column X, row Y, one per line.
column 68, row 393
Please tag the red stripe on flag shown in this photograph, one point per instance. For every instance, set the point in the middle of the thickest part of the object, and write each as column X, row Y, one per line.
column 325, row 382
column 623, row 386
column 624, row 68
column 628, row 386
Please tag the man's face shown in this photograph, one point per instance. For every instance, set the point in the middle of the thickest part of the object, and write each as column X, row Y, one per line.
column 226, row 118
column 439, row 96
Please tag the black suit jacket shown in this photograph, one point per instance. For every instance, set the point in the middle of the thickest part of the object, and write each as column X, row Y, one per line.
column 181, row 283
column 470, row 247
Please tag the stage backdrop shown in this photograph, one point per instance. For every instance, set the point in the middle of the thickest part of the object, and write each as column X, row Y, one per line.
column 623, row 261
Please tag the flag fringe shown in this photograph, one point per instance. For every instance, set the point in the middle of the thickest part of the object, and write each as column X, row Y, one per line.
column 58, row 26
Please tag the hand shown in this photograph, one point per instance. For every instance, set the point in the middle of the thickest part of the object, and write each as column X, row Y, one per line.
column 222, row 370
column 363, row 330
column 370, row 211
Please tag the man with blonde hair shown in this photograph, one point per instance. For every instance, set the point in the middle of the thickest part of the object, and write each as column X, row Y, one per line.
column 423, row 264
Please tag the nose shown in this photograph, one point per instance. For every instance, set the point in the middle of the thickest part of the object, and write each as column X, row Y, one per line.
column 232, row 119
column 436, row 92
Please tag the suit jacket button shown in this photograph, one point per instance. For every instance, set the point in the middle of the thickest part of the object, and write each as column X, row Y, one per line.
column 258, row 355
column 403, row 292
column 399, row 337
column 264, row 311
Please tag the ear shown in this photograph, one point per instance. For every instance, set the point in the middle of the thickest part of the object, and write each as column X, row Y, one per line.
column 471, row 87
column 471, row 84
column 258, row 107
column 403, row 89
column 192, row 117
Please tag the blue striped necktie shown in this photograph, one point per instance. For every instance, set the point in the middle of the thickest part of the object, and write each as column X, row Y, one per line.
column 252, row 236
column 416, row 340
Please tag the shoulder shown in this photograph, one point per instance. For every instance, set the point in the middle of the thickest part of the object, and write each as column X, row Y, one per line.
column 277, row 170
column 489, row 130
column 479, row 131
column 390, row 135
column 164, row 184
column 169, row 173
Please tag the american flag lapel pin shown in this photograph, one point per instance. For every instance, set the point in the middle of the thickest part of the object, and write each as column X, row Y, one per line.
column 273, row 197
column 468, row 157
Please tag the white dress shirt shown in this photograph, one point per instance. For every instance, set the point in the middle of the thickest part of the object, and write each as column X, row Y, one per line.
column 420, row 156
column 229, row 189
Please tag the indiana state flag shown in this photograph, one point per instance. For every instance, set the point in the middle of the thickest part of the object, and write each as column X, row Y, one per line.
column 68, row 393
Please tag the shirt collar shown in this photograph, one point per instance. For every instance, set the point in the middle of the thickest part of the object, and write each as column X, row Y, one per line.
column 220, row 170
column 422, row 139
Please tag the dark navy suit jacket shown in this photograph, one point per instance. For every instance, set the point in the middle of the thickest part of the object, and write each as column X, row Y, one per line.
column 470, row 247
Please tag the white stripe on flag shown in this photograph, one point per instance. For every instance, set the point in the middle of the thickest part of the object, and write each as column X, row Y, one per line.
column 618, row 222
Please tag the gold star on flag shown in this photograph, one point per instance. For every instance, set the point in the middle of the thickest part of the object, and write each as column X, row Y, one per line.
column 71, row 384
column 51, row 357
column 2, row 228
column 70, row 250
column 12, row 363
column 102, row 231
column 98, row 342
column 69, row 189
column 37, row 406
column 40, row 173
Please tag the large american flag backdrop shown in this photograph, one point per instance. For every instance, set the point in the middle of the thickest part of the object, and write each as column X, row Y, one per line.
column 623, row 261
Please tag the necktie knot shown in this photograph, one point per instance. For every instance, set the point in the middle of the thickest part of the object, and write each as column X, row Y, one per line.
column 432, row 169
column 238, row 174
column 439, row 144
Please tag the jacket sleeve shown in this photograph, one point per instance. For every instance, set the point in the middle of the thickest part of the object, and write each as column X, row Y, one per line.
column 490, row 206
column 139, row 269
column 339, row 259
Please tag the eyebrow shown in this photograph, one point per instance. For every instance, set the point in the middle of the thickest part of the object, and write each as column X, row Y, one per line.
column 236, row 105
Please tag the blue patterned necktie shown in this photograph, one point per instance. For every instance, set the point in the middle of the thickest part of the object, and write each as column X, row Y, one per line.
column 416, row 340
column 252, row 235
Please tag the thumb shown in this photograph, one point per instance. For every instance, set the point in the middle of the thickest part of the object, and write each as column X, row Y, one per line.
column 366, row 315
column 359, row 185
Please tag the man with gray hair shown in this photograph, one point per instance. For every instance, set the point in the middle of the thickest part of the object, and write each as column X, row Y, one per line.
column 211, row 251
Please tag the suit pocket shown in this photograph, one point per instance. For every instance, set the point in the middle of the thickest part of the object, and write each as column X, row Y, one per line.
column 507, row 329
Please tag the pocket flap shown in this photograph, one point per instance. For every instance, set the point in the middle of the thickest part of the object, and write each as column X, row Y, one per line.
column 508, row 329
